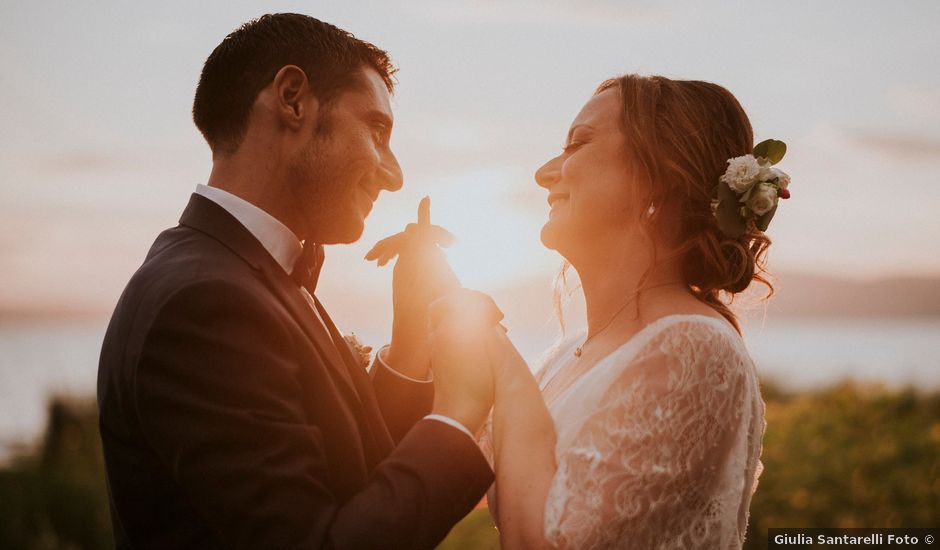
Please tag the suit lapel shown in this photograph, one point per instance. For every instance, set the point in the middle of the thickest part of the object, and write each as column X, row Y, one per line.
column 208, row 217
column 290, row 295
column 363, row 384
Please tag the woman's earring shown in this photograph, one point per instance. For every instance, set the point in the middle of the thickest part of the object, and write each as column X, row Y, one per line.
column 650, row 211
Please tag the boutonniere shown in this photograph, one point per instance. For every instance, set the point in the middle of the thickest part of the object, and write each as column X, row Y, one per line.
column 362, row 351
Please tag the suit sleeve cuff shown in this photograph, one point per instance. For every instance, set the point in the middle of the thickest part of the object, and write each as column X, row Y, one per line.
column 451, row 422
column 381, row 358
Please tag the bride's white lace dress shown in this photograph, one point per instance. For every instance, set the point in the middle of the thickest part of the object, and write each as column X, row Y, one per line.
column 658, row 445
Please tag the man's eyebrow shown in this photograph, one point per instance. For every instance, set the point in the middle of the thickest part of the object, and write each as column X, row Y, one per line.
column 381, row 117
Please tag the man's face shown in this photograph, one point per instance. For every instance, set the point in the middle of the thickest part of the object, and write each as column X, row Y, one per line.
column 338, row 174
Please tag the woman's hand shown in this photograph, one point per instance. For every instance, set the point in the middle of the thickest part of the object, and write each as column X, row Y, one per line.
column 524, row 445
column 462, row 326
column 510, row 370
column 421, row 276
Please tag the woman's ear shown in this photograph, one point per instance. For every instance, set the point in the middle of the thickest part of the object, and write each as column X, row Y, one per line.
column 295, row 104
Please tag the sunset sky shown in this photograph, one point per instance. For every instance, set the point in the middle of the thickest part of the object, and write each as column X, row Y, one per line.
column 98, row 152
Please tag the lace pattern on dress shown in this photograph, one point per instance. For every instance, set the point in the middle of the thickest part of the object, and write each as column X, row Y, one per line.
column 659, row 444
column 661, row 459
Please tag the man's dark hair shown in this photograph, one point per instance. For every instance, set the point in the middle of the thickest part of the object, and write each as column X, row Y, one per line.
column 248, row 58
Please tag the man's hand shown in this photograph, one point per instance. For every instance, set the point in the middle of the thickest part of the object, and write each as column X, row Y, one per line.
column 421, row 276
column 461, row 346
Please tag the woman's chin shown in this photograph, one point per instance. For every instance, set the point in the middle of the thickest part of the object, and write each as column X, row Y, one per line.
column 551, row 235
column 564, row 238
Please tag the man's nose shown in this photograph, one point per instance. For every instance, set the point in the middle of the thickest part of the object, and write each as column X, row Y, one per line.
column 391, row 177
column 549, row 173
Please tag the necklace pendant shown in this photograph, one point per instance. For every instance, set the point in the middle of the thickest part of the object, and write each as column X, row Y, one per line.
column 577, row 351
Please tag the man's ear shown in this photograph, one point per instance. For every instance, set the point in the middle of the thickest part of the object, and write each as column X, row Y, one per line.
column 294, row 100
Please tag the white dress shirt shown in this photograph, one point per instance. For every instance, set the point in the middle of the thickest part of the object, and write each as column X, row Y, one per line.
column 285, row 248
column 274, row 236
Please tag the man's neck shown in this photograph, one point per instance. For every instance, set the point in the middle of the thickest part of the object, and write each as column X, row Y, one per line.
column 259, row 183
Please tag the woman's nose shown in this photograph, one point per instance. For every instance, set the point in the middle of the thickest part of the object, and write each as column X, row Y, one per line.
column 548, row 174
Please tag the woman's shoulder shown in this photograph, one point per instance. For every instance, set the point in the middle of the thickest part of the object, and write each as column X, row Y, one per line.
column 686, row 333
column 676, row 354
column 694, row 322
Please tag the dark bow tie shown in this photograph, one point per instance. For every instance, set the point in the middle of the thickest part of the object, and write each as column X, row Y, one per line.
column 307, row 267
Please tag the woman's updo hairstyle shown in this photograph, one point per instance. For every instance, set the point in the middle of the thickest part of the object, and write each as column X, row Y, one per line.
column 680, row 134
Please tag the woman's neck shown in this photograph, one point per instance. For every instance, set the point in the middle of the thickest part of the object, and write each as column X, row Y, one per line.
column 611, row 281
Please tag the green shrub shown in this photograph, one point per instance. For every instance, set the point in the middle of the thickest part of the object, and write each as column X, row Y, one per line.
column 847, row 456
column 55, row 497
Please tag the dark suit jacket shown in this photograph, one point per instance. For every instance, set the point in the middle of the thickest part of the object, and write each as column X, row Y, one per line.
column 230, row 420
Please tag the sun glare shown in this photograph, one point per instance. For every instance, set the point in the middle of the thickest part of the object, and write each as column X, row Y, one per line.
column 497, row 236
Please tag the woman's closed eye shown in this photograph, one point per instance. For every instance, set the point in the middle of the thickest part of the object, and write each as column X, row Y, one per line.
column 572, row 146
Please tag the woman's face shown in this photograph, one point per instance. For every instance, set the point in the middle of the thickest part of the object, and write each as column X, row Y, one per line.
column 590, row 184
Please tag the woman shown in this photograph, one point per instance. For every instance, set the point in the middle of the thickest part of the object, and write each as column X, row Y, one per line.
column 645, row 432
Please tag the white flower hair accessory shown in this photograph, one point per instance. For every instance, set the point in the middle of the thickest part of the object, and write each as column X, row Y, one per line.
column 750, row 188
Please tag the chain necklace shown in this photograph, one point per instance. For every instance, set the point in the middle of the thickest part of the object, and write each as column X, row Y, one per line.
column 580, row 349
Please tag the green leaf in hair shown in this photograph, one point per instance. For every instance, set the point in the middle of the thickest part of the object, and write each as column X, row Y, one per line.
column 771, row 149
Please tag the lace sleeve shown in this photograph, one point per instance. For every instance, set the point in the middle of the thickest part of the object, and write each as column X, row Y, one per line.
column 643, row 465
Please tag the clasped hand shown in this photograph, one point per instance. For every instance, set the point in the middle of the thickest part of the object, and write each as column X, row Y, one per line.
column 421, row 275
column 439, row 325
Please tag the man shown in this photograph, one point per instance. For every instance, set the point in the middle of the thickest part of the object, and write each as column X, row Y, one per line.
column 232, row 413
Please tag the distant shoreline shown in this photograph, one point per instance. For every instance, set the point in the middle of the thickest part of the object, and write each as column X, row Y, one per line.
column 796, row 294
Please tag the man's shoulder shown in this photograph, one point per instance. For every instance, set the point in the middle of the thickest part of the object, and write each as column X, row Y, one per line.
column 186, row 260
